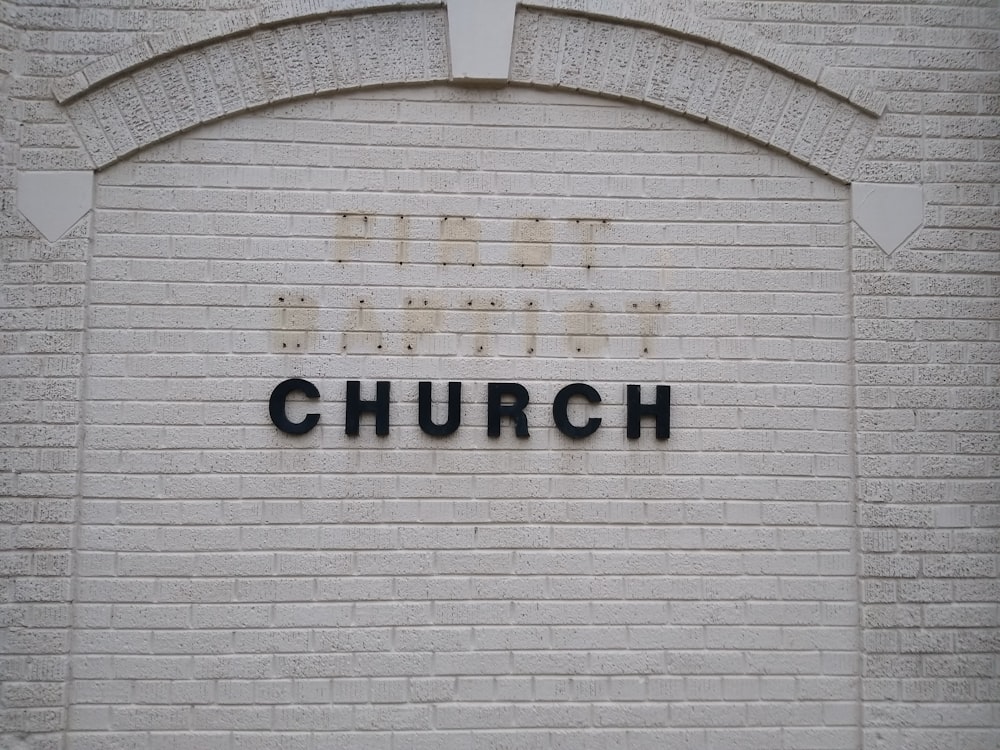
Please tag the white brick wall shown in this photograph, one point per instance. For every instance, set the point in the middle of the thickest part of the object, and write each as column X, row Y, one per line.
column 179, row 573
column 432, row 234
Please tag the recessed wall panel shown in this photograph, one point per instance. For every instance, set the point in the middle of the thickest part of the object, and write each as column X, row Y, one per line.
column 482, row 588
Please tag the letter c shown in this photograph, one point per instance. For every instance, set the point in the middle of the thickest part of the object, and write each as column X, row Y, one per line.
column 561, row 418
column 276, row 406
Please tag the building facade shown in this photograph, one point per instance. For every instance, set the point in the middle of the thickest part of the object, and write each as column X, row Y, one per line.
column 496, row 374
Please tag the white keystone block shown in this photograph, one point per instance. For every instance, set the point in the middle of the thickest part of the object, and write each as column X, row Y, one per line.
column 480, row 35
column 888, row 213
column 54, row 201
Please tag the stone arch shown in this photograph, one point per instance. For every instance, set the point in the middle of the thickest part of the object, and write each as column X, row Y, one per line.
column 699, row 79
column 643, row 53
column 269, row 65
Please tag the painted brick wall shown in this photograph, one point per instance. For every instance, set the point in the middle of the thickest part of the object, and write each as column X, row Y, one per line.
column 927, row 364
column 41, row 311
column 510, row 590
column 924, row 425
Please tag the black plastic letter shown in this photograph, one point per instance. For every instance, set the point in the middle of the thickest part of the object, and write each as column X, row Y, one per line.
column 276, row 406
column 495, row 408
column 560, row 403
column 659, row 411
column 356, row 407
column 427, row 424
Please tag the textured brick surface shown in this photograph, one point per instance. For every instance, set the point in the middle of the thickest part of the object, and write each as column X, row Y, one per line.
column 542, row 583
column 227, row 76
column 214, row 582
column 702, row 80
column 698, row 79
column 42, row 316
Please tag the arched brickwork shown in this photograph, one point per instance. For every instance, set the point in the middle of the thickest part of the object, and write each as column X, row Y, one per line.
column 697, row 79
column 267, row 66
column 290, row 50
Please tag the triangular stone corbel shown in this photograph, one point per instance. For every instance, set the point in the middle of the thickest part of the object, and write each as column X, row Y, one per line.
column 888, row 213
column 54, row 201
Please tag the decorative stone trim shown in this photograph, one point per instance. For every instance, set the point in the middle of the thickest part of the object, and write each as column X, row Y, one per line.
column 644, row 12
column 888, row 213
column 267, row 66
column 124, row 104
column 740, row 39
column 702, row 81
column 158, row 46
column 54, row 201
column 479, row 39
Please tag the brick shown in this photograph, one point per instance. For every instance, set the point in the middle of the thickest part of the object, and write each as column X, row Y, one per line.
column 347, row 575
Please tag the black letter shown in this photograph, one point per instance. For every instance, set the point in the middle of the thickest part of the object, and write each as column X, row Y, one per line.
column 496, row 409
column 637, row 410
column 560, row 403
column 356, row 407
column 454, row 409
column 276, row 406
